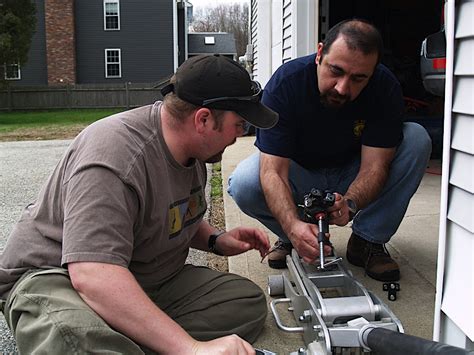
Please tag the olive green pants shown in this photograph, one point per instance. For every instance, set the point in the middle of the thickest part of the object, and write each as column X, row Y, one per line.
column 47, row 316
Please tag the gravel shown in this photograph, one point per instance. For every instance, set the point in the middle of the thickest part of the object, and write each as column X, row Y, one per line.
column 24, row 167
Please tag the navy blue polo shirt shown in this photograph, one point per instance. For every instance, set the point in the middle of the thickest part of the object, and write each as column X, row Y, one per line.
column 315, row 136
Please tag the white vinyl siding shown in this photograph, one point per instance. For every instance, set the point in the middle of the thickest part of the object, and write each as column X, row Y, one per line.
column 454, row 311
column 462, row 133
column 287, row 31
column 253, row 36
column 281, row 30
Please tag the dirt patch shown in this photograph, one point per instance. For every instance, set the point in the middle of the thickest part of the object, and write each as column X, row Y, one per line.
column 217, row 219
column 42, row 133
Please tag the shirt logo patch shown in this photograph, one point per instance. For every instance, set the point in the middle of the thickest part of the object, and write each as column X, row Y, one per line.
column 185, row 212
column 358, row 127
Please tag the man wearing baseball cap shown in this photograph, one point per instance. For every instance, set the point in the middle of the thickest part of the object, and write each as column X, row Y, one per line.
column 97, row 262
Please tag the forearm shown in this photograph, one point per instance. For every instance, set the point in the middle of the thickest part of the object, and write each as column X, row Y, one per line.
column 201, row 238
column 113, row 293
column 279, row 199
column 373, row 174
column 366, row 187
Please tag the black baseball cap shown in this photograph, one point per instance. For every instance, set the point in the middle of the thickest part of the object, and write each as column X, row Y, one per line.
column 218, row 82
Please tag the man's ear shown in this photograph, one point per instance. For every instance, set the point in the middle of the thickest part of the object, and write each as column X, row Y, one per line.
column 319, row 52
column 202, row 119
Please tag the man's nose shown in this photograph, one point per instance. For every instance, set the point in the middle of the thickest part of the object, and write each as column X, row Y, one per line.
column 343, row 86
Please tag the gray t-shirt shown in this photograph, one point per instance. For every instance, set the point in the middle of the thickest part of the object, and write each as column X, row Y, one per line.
column 117, row 196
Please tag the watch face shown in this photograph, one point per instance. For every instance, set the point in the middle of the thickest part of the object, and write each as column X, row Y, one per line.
column 352, row 206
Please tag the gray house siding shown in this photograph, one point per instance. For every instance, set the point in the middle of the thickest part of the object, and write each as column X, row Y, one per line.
column 34, row 72
column 145, row 39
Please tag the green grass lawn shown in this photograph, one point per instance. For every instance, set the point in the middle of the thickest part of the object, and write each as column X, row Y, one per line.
column 11, row 121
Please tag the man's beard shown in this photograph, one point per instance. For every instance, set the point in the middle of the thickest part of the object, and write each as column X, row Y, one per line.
column 218, row 156
column 215, row 158
column 332, row 99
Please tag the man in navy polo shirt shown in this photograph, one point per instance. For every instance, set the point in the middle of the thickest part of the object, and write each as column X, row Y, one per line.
column 341, row 128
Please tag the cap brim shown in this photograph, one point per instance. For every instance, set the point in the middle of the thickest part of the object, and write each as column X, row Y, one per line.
column 258, row 115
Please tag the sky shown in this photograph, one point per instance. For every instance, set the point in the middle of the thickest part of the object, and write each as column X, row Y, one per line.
column 209, row 3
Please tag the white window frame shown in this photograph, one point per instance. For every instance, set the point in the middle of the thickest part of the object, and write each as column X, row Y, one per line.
column 5, row 71
column 209, row 40
column 107, row 63
column 118, row 15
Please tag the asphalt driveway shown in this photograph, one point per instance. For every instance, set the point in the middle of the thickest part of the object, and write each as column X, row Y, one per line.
column 24, row 167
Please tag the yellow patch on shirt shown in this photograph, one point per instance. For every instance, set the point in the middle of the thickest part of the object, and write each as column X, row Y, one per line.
column 174, row 221
column 186, row 211
column 358, row 127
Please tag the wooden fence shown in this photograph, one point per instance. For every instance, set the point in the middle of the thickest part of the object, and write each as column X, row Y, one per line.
column 79, row 96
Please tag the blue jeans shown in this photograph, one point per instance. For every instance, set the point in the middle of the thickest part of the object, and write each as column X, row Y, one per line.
column 378, row 222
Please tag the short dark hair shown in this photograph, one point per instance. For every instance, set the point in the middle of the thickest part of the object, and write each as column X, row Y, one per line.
column 181, row 109
column 359, row 34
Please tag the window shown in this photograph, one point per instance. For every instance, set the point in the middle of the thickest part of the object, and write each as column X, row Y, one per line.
column 12, row 71
column 209, row 40
column 113, row 66
column 111, row 15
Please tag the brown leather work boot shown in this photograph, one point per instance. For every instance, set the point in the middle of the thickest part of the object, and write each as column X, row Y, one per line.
column 277, row 255
column 373, row 257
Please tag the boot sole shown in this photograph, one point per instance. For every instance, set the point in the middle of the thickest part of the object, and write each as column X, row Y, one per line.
column 277, row 264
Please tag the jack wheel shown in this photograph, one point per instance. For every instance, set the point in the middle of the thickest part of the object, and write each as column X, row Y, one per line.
column 276, row 286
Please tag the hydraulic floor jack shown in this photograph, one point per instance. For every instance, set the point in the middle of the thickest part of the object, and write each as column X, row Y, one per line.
column 334, row 312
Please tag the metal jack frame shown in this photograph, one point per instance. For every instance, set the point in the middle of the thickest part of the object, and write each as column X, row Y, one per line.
column 331, row 308
column 335, row 313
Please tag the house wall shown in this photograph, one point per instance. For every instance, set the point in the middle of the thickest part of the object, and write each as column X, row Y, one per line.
column 454, row 313
column 253, row 30
column 145, row 39
column 224, row 43
column 281, row 30
column 287, row 31
column 306, row 29
column 261, row 37
column 34, row 72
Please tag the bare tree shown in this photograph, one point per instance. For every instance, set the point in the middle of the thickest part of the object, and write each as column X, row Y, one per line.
column 232, row 18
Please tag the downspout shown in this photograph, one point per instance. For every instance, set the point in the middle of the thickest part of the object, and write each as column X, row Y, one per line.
column 175, row 34
column 264, row 40
column 443, row 215
column 186, row 30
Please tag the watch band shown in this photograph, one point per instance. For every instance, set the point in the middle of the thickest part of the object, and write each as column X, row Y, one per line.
column 211, row 242
column 352, row 208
